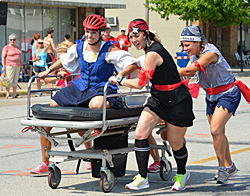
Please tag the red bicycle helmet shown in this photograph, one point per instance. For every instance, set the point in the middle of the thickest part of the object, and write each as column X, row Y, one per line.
column 95, row 22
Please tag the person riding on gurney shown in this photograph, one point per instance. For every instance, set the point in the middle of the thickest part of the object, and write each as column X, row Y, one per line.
column 96, row 60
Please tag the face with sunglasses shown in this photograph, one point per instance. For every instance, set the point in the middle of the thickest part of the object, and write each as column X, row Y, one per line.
column 40, row 44
column 12, row 41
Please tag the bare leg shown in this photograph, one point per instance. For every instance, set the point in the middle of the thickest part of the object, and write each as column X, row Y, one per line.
column 38, row 83
column 14, row 91
column 153, row 152
column 45, row 142
column 164, row 135
column 217, row 128
column 97, row 102
column 7, row 92
column 88, row 145
column 175, row 136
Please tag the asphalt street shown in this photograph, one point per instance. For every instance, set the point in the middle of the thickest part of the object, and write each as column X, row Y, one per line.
column 19, row 152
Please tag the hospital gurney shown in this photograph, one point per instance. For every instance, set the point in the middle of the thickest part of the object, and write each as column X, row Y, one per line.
column 97, row 124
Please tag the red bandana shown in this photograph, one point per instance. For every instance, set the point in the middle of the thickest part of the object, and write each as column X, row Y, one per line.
column 137, row 26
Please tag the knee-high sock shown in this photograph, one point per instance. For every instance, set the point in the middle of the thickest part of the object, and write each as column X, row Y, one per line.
column 181, row 157
column 142, row 150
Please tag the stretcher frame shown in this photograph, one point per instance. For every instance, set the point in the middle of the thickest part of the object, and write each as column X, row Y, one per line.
column 107, row 177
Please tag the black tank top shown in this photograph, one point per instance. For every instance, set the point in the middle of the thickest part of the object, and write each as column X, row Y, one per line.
column 166, row 74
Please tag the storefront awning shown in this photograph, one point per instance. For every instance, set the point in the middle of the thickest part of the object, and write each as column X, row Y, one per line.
column 74, row 3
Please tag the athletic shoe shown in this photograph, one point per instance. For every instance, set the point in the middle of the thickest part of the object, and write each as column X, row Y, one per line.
column 138, row 183
column 231, row 171
column 88, row 165
column 180, row 181
column 39, row 94
column 223, row 176
column 42, row 168
column 154, row 167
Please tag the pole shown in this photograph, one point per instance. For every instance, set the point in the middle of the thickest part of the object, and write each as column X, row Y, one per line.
column 241, row 57
column 147, row 12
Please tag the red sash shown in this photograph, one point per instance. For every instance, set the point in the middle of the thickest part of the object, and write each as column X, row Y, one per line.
column 245, row 91
column 218, row 89
column 170, row 87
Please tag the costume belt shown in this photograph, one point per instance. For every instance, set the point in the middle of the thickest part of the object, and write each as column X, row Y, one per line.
column 245, row 91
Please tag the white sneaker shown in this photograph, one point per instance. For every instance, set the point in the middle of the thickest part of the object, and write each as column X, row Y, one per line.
column 138, row 183
column 180, row 181
column 223, row 176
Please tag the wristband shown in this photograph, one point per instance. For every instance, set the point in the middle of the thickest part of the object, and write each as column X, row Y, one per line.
column 123, row 81
column 119, row 80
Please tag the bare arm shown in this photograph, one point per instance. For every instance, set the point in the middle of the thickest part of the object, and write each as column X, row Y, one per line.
column 152, row 60
column 53, row 67
column 128, row 70
column 4, row 54
column 53, row 45
column 204, row 60
column 34, row 58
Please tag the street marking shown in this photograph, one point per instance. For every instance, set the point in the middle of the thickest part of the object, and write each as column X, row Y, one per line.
column 23, row 174
column 8, row 146
column 214, row 157
column 10, row 171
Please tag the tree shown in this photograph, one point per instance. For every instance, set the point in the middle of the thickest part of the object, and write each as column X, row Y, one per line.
column 219, row 13
column 216, row 12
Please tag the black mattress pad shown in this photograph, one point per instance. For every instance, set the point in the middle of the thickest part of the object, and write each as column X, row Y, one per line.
column 44, row 111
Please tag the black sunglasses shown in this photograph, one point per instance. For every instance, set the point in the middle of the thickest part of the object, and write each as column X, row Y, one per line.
column 40, row 42
column 12, row 39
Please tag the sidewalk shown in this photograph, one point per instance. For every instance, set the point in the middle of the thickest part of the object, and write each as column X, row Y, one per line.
column 24, row 85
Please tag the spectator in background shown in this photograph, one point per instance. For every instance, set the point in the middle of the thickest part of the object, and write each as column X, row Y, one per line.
column 36, row 36
column 123, row 40
column 67, row 40
column 12, row 61
column 61, row 49
column 50, row 45
column 106, row 36
column 40, row 65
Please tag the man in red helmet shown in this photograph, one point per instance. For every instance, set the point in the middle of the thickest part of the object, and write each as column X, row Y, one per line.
column 96, row 60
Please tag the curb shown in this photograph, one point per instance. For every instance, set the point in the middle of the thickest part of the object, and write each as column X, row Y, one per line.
column 237, row 74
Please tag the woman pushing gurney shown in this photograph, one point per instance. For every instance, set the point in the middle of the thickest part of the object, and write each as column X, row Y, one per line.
column 96, row 60
column 170, row 101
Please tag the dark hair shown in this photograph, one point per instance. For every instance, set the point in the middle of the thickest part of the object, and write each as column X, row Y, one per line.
column 149, row 35
column 67, row 36
column 50, row 30
column 32, row 42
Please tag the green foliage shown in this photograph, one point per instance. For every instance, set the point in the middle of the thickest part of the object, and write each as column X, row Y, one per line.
column 216, row 12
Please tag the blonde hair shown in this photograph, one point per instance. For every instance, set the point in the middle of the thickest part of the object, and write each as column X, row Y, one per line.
column 63, row 47
column 12, row 35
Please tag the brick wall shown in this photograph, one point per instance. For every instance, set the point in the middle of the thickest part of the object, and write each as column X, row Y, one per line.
column 229, row 40
column 82, row 15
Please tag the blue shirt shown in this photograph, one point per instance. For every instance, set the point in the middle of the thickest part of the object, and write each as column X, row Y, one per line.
column 43, row 57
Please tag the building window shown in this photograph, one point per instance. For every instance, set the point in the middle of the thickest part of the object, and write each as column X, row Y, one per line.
column 24, row 21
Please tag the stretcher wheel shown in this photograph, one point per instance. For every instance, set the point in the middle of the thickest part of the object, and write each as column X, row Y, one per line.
column 54, row 177
column 107, row 186
column 165, row 170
